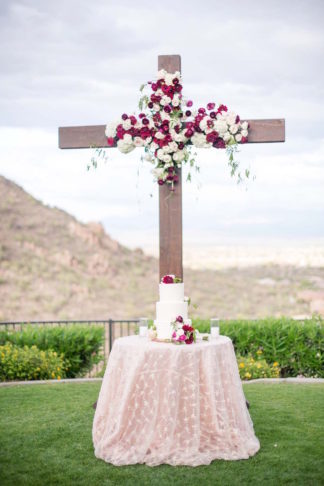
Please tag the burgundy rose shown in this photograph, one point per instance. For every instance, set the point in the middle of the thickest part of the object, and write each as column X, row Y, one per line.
column 188, row 113
column 237, row 119
column 212, row 114
column 181, row 145
column 202, row 111
column 167, row 109
column 110, row 141
column 150, row 105
column 222, row 108
column 210, row 106
column 176, row 81
column 154, row 87
column 244, row 140
column 179, row 319
column 145, row 121
column 161, row 182
column 124, row 116
column 189, row 133
column 189, row 103
column 167, row 279
column 175, row 178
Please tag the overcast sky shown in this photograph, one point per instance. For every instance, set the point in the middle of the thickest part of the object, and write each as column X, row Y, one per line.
column 73, row 62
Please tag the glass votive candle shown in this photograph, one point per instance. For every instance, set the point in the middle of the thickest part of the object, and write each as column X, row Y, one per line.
column 143, row 327
column 214, row 328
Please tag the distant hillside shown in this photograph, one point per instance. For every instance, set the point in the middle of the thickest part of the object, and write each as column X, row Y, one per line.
column 53, row 267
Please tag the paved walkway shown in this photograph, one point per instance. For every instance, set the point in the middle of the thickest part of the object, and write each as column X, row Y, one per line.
column 299, row 381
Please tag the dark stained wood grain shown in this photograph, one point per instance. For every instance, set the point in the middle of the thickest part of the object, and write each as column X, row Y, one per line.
column 82, row 137
column 266, row 131
column 261, row 131
column 170, row 204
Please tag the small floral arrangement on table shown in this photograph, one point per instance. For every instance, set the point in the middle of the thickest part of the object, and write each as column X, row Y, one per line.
column 168, row 127
column 183, row 333
column 170, row 279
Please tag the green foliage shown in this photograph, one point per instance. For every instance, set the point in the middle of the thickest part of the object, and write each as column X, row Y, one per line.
column 251, row 369
column 79, row 344
column 298, row 346
column 29, row 363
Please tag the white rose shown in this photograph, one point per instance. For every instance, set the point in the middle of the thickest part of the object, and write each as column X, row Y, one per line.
column 125, row 147
column 147, row 141
column 128, row 138
column 244, row 133
column 176, row 100
column 111, row 129
column 231, row 117
column 178, row 156
column 179, row 137
column 168, row 79
column 238, row 137
column 221, row 127
column 161, row 74
column 167, row 158
column 159, row 92
column 160, row 154
column 156, row 107
column 158, row 173
column 233, row 129
column 138, row 142
column 159, row 135
column 173, row 146
column 245, row 125
column 203, row 124
column 154, row 146
column 227, row 137
column 126, row 124
column 199, row 140
column 165, row 100
column 165, row 116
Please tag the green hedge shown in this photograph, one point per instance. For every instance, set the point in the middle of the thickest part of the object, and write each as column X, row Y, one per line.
column 29, row 363
column 298, row 346
column 79, row 344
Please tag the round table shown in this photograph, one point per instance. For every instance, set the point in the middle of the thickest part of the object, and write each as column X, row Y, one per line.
column 162, row 403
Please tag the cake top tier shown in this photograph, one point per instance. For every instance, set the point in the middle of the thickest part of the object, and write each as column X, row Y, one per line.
column 173, row 292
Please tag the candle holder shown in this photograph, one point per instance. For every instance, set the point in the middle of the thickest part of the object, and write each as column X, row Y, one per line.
column 214, row 328
column 143, row 327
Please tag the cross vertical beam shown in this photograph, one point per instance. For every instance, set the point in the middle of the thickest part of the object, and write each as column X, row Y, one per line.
column 170, row 206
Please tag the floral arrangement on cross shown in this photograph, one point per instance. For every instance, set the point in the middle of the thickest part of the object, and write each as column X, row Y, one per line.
column 168, row 128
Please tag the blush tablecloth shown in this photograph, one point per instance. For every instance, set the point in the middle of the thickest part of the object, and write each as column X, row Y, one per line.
column 162, row 403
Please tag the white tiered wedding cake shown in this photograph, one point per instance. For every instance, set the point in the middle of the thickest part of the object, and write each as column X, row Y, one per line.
column 170, row 306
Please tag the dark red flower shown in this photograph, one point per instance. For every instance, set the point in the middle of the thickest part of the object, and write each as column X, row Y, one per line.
column 201, row 111
column 189, row 103
column 110, row 141
column 212, row 114
column 154, row 87
column 124, row 116
column 179, row 319
column 210, row 106
column 189, row 133
column 244, row 140
column 237, row 119
column 188, row 113
column 167, row 279
column 161, row 182
column 167, row 109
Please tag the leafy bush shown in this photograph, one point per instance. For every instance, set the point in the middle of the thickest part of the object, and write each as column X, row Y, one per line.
column 29, row 363
column 297, row 345
column 79, row 344
column 251, row 369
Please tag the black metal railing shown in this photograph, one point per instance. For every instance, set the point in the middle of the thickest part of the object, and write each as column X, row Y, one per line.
column 112, row 329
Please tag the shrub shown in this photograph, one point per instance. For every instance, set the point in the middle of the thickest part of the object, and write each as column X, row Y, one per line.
column 297, row 345
column 79, row 344
column 251, row 369
column 29, row 363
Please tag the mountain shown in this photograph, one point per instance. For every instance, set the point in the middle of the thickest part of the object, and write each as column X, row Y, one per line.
column 54, row 267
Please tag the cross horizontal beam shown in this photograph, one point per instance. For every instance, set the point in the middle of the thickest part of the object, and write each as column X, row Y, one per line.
column 260, row 131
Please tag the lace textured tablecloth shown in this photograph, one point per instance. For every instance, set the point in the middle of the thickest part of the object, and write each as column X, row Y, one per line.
column 162, row 403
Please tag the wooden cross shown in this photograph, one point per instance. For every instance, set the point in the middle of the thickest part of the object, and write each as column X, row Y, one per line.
column 260, row 131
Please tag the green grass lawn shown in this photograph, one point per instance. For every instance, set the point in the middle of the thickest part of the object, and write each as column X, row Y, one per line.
column 45, row 439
